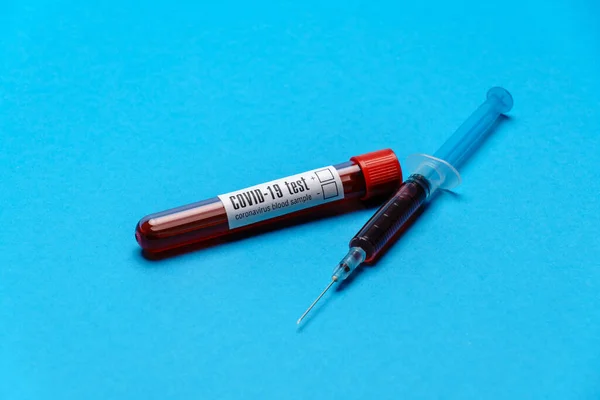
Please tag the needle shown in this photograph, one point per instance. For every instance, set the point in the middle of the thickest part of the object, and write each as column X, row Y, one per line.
column 316, row 300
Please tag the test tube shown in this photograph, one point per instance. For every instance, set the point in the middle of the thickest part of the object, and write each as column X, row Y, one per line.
column 322, row 191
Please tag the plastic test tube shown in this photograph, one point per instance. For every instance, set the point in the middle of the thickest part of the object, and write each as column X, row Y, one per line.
column 322, row 189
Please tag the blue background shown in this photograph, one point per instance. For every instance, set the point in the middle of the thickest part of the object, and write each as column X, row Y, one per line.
column 114, row 111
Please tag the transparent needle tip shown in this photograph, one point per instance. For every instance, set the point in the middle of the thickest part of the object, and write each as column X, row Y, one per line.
column 316, row 301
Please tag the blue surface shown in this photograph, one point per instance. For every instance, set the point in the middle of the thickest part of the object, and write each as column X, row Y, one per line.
column 115, row 111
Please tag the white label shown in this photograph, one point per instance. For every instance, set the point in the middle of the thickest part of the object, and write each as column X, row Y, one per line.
column 282, row 196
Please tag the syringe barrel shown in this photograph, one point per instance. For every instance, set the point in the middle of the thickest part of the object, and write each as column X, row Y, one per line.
column 391, row 217
column 472, row 131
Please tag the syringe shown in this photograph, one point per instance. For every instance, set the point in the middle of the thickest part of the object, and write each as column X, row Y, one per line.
column 429, row 173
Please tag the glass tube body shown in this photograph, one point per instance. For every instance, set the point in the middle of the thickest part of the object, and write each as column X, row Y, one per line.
column 207, row 219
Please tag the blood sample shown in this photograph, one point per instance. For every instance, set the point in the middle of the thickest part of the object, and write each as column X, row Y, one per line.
column 320, row 191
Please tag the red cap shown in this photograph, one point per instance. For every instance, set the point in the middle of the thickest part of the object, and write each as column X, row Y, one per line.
column 381, row 170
